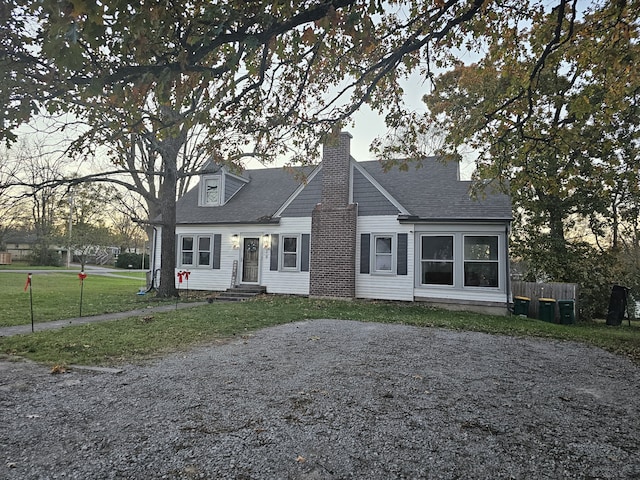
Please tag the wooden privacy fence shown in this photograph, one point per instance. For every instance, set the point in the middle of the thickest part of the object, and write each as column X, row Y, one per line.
column 534, row 291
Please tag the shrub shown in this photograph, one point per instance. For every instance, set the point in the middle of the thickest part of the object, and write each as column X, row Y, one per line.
column 132, row 260
column 45, row 258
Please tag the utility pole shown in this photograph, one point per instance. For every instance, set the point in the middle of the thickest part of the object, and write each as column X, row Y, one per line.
column 70, row 225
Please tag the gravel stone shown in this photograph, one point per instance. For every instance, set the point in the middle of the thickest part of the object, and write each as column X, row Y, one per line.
column 329, row 399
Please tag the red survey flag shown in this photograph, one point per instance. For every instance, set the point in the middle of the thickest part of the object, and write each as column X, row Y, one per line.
column 26, row 285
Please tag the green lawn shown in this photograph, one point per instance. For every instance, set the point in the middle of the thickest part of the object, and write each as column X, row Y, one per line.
column 56, row 296
column 136, row 339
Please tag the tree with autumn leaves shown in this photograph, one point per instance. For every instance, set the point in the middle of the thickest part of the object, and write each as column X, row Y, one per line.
column 269, row 78
column 550, row 108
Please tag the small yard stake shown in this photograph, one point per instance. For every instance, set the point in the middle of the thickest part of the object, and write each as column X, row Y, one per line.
column 179, row 274
column 28, row 285
column 81, row 276
column 182, row 274
column 186, row 274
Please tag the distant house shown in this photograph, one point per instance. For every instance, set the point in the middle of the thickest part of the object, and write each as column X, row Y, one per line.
column 20, row 244
column 350, row 231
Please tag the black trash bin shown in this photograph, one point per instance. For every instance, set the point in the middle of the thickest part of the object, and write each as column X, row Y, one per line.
column 566, row 311
column 617, row 305
column 547, row 309
column 521, row 306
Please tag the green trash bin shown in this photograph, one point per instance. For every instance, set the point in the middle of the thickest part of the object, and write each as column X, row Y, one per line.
column 521, row 305
column 567, row 312
column 547, row 309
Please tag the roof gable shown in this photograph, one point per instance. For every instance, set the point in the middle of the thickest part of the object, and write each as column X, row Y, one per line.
column 305, row 198
column 433, row 191
column 371, row 197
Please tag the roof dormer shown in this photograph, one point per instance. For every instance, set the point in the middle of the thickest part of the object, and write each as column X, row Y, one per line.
column 217, row 188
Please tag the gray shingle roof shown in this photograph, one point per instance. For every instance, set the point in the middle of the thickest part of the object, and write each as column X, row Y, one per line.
column 257, row 201
column 432, row 192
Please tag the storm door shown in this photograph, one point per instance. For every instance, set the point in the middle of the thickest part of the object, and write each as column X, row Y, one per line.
column 250, row 259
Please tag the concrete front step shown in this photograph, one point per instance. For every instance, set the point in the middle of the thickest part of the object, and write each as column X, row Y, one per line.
column 239, row 293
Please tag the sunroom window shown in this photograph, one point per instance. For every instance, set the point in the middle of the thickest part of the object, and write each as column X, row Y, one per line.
column 437, row 260
column 481, row 261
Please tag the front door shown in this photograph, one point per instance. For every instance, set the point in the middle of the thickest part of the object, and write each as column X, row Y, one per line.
column 250, row 259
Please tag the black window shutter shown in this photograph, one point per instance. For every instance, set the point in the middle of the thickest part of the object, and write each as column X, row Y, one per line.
column 217, row 240
column 402, row 254
column 274, row 252
column 365, row 247
column 304, row 260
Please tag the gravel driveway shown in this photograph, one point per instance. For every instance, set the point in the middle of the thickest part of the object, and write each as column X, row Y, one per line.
column 330, row 399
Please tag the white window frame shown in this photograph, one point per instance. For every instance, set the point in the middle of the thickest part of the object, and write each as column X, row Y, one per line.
column 391, row 255
column 465, row 260
column 204, row 201
column 297, row 253
column 451, row 261
column 195, row 251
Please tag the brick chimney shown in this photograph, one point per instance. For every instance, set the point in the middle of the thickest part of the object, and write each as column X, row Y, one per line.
column 333, row 225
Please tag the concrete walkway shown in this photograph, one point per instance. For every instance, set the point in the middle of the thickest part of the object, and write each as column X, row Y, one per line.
column 39, row 327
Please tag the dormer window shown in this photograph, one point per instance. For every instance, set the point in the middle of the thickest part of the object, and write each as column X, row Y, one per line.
column 210, row 194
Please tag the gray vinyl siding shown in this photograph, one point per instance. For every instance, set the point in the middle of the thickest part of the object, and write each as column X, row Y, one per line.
column 231, row 186
column 307, row 199
column 369, row 199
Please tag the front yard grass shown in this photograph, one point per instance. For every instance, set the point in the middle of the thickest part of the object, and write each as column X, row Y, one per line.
column 138, row 339
column 56, row 296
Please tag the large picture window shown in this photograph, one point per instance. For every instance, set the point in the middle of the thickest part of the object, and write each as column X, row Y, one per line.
column 481, row 261
column 437, row 260
column 290, row 251
column 383, row 253
column 195, row 251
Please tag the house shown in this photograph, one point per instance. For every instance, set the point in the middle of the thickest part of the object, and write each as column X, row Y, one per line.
column 351, row 230
column 19, row 244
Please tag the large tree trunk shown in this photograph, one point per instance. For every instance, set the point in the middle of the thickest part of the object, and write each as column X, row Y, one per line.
column 167, row 196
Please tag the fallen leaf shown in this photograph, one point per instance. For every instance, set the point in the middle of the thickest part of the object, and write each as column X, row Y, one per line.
column 58, row 369
column 301, row 459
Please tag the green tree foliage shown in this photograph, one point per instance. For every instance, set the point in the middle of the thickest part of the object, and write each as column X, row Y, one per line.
column 254, row 74
column 263, row 77
column 551, row 109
